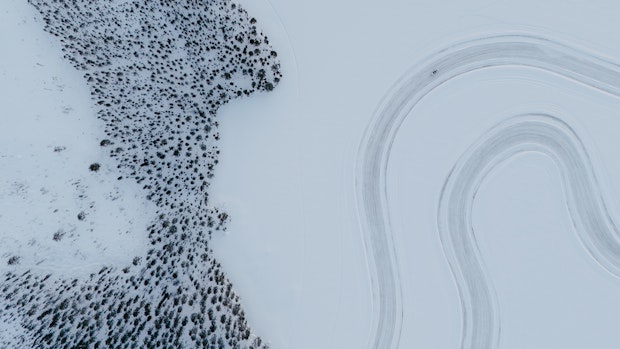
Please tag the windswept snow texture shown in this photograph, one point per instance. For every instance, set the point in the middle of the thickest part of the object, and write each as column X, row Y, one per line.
column 600, row 238
column 158, row 72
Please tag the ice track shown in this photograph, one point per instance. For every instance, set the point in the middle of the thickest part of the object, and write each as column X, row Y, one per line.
column 532, row 132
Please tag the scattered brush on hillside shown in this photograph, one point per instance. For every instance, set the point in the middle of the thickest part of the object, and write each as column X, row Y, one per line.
column 158, row 72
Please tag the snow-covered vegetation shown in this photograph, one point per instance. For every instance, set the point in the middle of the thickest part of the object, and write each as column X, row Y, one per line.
column 157, row 73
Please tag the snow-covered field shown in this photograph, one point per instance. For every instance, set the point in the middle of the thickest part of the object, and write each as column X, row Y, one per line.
column 299, row 248
column 49, row 138
column 341, row 59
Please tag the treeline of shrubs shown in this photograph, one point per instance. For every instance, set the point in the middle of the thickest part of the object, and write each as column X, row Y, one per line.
column 158, row 72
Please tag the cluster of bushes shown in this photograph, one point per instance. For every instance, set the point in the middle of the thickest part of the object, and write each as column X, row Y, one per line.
column 158, row 72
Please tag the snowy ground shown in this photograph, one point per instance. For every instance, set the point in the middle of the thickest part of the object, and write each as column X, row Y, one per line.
column 293, row 248
column 49, row 138
column 341, row 58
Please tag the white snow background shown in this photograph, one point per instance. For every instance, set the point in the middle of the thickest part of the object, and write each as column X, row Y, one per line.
column 293, row 248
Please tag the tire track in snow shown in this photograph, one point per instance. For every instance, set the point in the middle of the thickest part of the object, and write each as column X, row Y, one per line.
column 596, row 230
column 374, row 151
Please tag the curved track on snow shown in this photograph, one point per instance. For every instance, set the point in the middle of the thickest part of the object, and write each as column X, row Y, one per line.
column 480, row 321
column 524, row 133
